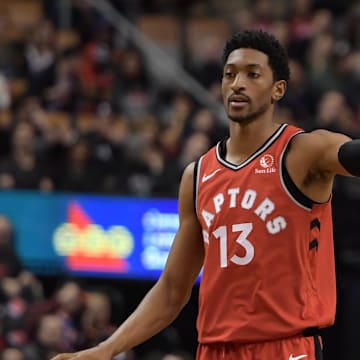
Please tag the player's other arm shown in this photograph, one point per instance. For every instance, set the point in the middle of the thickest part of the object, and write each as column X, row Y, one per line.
column 165, row 300
column 169, row 295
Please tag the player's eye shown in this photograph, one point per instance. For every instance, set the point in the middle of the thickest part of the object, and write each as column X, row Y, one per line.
column 253, row 75
column 229, row 74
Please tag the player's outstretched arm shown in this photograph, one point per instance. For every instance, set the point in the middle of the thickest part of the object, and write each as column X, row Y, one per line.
column 321, row 149
column 315, row 158
column 339, row 154
column 331, row 153
column 171, row 292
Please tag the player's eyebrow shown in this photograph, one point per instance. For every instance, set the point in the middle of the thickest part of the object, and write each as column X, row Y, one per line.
column 252, row 65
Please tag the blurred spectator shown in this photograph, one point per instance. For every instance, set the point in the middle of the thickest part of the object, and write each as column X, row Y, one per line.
column 66, row 305
column 70, row 298
column 335, row 114
column 322, row 21
column 352, row 25
column 281, row 30
column 242, row 18
column 12, row 354
column 348, row 71
column 297, row 98
column 175, row 117
column 208, row 69
column 64, row 93
column 264, row 14
column 203, row 121
column 143, row 157
column 131, row 92
column 40, row 56
column 193, row 147
column 145, row 170
column 49, row 339
column 108, row 139
column 15, row 312
column 50, row 127
column 11, row 52
column 78, row 174
column 301, row 19
column 18, row 289
column 96, row 319
column 10, row 264
column 321, row 76
column 22, row 169
column 84, row 19
column 15, row 279
column 95, row 72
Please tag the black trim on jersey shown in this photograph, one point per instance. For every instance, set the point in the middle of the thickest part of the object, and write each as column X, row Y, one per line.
column 315, row 223
column 311, row 331
column 221, row 150
column 291, row 187
column 314, row 332
column 196, row 166
column 318, row 348
column 294, row 190
column 314, row 244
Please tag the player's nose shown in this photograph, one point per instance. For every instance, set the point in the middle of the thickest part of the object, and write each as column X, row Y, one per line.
column 238, row 84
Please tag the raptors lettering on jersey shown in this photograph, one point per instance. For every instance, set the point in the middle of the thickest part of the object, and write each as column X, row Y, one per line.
column 232, row 199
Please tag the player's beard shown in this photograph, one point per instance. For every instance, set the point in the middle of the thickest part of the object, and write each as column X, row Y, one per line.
column 249, row 117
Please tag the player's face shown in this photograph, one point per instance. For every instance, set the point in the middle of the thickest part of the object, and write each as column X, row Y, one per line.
column 248, row 86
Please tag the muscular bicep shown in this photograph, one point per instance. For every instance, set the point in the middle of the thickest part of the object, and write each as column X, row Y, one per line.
column 187, row 252
column 320, row 150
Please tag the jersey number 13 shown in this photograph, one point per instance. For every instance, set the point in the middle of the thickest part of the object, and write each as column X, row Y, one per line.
column 244, row 230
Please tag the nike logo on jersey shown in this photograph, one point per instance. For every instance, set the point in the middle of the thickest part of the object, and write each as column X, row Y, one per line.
column 291, row 357
column 207, row 177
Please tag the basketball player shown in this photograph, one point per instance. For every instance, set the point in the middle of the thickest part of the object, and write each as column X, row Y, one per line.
column 255, row 212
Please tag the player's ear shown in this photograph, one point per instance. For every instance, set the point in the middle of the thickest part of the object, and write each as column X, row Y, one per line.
column 278, row 90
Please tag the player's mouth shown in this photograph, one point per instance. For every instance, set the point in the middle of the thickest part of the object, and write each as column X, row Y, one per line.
column 238, row 101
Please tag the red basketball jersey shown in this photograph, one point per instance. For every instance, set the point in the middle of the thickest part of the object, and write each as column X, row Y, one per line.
column 269, row 260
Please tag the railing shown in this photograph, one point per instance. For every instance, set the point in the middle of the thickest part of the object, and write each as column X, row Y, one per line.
column 160, row 63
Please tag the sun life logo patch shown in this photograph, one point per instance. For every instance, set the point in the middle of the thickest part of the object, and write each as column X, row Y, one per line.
column 266, row 162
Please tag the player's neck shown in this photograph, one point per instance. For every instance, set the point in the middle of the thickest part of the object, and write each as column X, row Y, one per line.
column 245, row 139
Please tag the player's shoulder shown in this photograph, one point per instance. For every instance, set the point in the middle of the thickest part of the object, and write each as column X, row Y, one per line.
column 188, row 177
column 186, row 191
column 318, row 139
column 188, row 172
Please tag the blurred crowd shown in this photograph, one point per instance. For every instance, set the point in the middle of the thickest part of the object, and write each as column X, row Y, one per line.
column 80, row 110
column 36, row 324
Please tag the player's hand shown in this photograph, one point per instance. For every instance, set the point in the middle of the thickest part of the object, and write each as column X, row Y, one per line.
column 96, row 353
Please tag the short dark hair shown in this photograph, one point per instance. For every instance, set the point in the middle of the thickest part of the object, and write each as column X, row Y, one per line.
column 264, row 42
